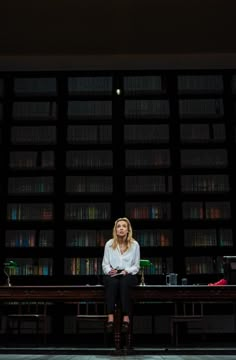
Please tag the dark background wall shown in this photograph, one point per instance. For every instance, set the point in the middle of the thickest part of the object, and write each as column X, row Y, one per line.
column 75, row 27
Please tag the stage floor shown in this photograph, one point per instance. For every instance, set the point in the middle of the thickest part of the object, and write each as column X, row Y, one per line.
column 103, row 357
column 108, row 353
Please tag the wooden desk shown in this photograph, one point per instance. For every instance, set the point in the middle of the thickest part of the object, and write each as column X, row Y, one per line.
column 140, row 294
column 64, row 293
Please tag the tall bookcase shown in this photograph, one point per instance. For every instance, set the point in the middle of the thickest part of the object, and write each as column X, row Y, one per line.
column 79, row 149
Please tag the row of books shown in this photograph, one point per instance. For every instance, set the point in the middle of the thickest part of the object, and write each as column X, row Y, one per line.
column 29, row 238
column 21, row 212
column 90, row 134
column 151, row 109
column 81, row 211
column 89, row 184
column 30, row 135
column 24, row 239
column 208, row 237
column 34, row 110
column 209, row 158
column 203, row 265
column 149, row 238
column 99, row 159
column 34, row 267
column 190, row 158
column 202, row 133
column 30, row 185
column 147, row 158
column 146, row 133
column 133, row 85
column 200, row 84
column 205, row 183
column 188, row 108
column 198, row 108
column 92, row 238
column 133, row 134
column 99, row 85
column 87, row 238
column 134, row 109
column 213, row 158
column 208, row 242
column 134, row 184
column 212, row 211
column 159, row 266
column 149, row 211
column 92, row 109
column 93, row 266
column 83, row 266
column 148, row 184
column 32, row 160
column 35, row 86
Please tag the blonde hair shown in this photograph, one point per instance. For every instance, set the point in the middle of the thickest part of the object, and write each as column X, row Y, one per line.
column 129, row 238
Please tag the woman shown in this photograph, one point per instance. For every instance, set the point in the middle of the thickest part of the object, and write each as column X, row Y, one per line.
column 120, row 265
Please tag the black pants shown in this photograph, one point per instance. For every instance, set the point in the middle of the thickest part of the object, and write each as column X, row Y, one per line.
column 117, row 290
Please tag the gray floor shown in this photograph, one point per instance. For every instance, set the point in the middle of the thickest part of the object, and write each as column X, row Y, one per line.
column 103, row 357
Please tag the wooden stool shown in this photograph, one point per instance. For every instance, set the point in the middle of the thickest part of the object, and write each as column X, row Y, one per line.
column 184, row 313
column 28, row 316
column 92, row 311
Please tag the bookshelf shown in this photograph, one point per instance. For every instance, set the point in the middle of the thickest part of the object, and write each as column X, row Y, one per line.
column 29, row 124
column 205, row 179
column 80, row 149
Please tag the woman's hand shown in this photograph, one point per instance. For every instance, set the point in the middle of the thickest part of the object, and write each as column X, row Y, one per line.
column 112, row 272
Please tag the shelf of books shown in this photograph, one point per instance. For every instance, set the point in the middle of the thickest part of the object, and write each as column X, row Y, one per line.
column 29, row 228
column 89, row 175
column 84, row 148
column 148, row 175
column 205, row 176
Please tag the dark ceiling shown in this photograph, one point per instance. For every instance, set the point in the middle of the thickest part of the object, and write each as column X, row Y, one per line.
column 75, row 27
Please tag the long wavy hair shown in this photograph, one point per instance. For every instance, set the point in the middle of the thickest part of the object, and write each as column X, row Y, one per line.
column 129, row 238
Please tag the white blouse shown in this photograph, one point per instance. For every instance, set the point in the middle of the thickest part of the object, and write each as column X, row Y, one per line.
column 114, row 259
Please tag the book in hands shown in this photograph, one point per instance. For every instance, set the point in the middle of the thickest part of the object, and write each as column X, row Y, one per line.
column 117, row 274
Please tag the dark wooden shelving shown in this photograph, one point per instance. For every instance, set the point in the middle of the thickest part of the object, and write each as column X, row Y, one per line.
column 160, row 151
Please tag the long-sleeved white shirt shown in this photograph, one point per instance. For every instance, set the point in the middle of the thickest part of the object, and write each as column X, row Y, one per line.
column 128, row 261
